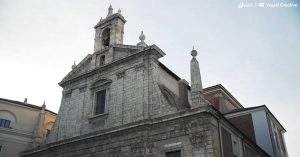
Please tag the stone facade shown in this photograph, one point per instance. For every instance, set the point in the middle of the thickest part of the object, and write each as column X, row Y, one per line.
column 28, row 126
column 193, row 134
column 146, row 111
column 132, row 91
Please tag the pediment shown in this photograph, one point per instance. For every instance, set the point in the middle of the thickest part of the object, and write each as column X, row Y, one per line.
column 80, row 69
column 101, row 82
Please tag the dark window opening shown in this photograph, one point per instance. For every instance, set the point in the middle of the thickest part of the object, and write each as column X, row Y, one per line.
column 102, row 60
column 0, row 148
column 176, row 153
column 4, row 123
column 106, row 37
column 100, row 102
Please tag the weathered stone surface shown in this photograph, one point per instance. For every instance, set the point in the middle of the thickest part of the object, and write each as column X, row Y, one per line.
column 146, row 138
column 149, row 110
column 133, row 94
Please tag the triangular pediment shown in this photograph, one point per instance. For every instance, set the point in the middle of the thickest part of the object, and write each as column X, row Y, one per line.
column 101, row 82
column 80, row 69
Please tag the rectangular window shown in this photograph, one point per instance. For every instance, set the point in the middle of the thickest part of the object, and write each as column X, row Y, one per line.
column 0, row 148
column 4, row 123
column 176, row 153
column 100, row 102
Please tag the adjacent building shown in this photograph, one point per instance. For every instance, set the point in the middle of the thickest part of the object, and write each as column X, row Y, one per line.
column 121, row 101
column 23, row 126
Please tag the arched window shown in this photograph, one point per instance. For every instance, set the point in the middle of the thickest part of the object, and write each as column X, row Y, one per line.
column 106, row 37
column 6, row 119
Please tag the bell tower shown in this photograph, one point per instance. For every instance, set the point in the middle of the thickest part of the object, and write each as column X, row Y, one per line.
column 109, row 31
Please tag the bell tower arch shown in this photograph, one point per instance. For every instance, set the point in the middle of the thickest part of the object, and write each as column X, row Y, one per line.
column 109, row 31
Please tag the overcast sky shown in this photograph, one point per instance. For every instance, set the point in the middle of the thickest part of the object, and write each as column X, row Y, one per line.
column 254, row 52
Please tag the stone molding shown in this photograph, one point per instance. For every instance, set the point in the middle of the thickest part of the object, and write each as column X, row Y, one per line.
column 100, row 82
column 153, row 49
column 140, row 138
column 142, row 125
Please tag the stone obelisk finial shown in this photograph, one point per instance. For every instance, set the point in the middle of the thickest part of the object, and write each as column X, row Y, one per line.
column 142, row 37
column 44, row 105
column 74, row 65
column 196, row 82
column 110, row 11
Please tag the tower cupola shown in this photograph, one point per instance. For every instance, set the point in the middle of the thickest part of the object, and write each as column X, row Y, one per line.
column 109, row 31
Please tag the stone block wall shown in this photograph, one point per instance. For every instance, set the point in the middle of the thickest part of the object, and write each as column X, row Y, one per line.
column 193, row 135
column 132, row 94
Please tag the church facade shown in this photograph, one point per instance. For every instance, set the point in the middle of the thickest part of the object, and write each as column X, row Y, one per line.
column 122, row 101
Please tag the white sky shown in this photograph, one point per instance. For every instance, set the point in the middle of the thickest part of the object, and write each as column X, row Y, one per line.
column 253, row 52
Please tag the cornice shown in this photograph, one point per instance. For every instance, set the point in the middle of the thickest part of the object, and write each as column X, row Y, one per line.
column 157, row 51
column 110, row 18
column 16, row 132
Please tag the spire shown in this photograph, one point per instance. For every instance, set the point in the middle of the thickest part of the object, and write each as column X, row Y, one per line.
column 119, row 11
column 110, row 10
column 142, row 37
column 196, row 83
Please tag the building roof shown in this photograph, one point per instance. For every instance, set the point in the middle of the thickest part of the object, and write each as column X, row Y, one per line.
column 252, row 109
column 222, row 88
column 206, row 90
column 25, row 104
column 225, row 91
